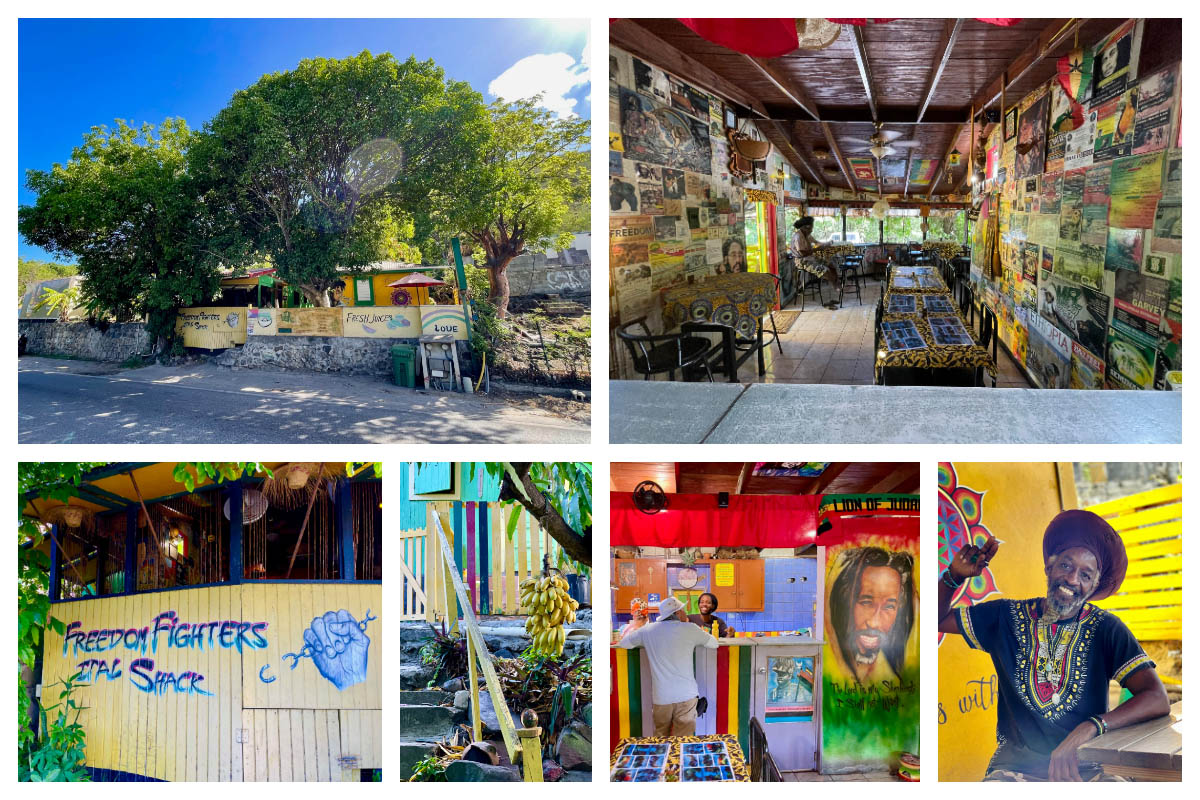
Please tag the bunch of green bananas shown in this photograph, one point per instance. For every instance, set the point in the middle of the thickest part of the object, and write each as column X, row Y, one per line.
column 548, row 605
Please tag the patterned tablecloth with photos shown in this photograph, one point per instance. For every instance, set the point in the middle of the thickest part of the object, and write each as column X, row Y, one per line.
column 916, row 280
column 737, row 299
column 660, row 758
column 931, row 354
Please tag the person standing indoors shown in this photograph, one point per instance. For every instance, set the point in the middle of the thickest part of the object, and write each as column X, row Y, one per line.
column 803, row 250
column 670, row 643
column 1055, row 655
column 707, row 603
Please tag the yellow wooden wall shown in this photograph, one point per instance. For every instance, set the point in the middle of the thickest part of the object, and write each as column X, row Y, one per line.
column 1019, row 500
column 247, row 728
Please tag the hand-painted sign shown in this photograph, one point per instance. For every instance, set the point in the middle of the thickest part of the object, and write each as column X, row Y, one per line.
column 382, row 322
column 262, row 322
column 444, row 320
column 211, row 328
column 311, row 321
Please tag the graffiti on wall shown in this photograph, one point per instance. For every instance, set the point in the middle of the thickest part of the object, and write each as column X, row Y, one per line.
column 142, row 644
column 871, row 675
column 338, row 646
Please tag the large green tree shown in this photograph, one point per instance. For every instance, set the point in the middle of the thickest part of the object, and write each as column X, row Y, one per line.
column 337, row 162
column 126, row 208
column 532, row 182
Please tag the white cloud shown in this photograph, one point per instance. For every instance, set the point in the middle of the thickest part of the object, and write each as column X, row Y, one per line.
column 553, row 75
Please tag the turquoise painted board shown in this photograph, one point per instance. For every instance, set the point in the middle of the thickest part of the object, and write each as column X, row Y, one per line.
column 432, row 476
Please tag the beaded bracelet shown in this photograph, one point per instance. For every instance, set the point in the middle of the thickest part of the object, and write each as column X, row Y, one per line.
column 1101, row 725
column 948, row 579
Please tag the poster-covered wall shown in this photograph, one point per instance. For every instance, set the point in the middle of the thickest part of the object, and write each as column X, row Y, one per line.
column 1013, row 503
column 199, row 684
column 870, row 694
column 1078, row 246
column 676, row 212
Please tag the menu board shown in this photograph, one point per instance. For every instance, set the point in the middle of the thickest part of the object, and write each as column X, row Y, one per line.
column 902, row 335
column 311, row 321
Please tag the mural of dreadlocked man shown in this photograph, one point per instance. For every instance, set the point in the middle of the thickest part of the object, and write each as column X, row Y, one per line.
column 871, row 612
column 1055, row 655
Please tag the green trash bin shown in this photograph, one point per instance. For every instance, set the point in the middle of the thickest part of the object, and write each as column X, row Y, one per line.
column 404, row 365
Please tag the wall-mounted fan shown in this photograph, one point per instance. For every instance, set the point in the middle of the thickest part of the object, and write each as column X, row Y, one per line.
column 881, row 143
column 254, row 505
column 649, row 497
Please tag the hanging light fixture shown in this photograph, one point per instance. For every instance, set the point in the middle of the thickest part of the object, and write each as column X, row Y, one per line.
column 880, row 209
column 879, row 151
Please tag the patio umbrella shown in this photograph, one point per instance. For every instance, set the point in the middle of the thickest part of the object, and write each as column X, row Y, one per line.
column 417, row 279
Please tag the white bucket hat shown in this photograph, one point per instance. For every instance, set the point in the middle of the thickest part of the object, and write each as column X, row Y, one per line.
column 668, row 608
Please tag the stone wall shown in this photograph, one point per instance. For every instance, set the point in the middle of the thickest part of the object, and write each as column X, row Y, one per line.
column 116, row 342
column 343, row 355
column 535, row 274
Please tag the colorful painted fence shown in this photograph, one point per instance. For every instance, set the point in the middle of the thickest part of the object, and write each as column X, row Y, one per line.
column 491, row 564
column 1151, row 525
column 224, row 684
column 218, row 328
column 725, row 677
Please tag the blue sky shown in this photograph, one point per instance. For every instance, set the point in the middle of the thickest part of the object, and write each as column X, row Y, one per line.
column 73, row 74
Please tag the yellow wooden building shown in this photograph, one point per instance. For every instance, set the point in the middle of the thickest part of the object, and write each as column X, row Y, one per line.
column 232, row 633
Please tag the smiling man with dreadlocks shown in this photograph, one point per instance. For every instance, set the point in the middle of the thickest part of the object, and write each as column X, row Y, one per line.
column 1055, row 655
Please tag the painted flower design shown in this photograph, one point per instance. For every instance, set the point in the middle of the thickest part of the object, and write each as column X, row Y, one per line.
column 960, row 515
column 747, row 326
column 725, row 314
column 701, row 309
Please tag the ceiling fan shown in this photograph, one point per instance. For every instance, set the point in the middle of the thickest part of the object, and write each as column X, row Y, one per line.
column 881, row 143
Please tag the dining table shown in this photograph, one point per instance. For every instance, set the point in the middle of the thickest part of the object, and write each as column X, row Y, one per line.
column 1148, row 751
column 647, row 759
column 737, row 300
column 912, row 298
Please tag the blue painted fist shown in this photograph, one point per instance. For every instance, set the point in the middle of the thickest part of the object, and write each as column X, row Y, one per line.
column 339, row 648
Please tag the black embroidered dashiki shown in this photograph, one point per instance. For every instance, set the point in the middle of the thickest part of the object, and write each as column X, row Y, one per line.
column 1051, row 677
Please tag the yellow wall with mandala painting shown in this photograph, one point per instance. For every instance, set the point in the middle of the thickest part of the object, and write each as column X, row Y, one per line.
column 1018, row 501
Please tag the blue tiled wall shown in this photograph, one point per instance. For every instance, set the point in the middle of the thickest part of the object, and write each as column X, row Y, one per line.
column 786, row 606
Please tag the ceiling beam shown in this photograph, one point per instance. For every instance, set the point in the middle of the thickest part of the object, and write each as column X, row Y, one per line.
column 747, row 468
column 837, row 153
column 1052, row 36
column 949, row 37
column 785, row 85
column 628, row 35
column 803, row 162
column 864, row 67
column 896, row 115
column 831, row 474
column 937, row 178
column 896, row 477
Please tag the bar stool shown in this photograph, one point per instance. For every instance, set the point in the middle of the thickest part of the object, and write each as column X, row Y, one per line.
column 847, row 274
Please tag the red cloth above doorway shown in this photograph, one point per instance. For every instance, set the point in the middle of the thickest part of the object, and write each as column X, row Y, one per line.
column 693, row 520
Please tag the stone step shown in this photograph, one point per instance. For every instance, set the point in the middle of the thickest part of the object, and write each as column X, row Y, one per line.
column 425, row 722
column 410, row 754
column 425, row 697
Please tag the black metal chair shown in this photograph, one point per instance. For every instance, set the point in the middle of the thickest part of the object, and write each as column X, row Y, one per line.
column 727, row 363
column 787, row 281
column 878, row 337
column 762, row 766
column 965, row 296
column 656, row 354
column 808, row 282
column 848, row 273
column 987, row 339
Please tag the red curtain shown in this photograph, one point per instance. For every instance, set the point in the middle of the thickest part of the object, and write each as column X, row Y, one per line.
column 693, row 520
column 764, row 38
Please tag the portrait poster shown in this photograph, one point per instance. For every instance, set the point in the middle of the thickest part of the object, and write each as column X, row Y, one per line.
column 1114, row 127
column 870, row 700
column 1080, row 146
column 622, row 196
column 1048, row 358
column 1130, row 360
column 1078, row 310
column 658, row 134
column 650, row 197
column 1114, row 61
column 1031, row 138
column 650, row 80
column 1168, row 227
column 1155, row 99
column 1051, row 193
column 1087, row 369
column 674, row 184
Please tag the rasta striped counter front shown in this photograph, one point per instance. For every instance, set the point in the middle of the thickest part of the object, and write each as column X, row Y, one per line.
column 725, row 677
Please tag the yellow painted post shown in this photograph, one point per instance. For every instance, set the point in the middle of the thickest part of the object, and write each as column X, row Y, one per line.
column 476, row 724
column 531, row 747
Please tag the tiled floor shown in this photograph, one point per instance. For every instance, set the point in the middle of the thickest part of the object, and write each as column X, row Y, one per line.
column 816, row 777
column 837, row 346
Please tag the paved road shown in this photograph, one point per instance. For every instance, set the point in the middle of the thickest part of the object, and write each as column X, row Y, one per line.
column 57, row 405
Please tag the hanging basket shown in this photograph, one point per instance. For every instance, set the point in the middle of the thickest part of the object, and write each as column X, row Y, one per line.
column 816, row 34
column 297, row 474
column 69, row 516
column 752, row 149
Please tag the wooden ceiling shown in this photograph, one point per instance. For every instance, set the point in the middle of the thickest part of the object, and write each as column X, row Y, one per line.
column 920, row 77
column 710, row 477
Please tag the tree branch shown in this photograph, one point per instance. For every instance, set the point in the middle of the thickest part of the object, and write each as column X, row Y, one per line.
column 576, row 544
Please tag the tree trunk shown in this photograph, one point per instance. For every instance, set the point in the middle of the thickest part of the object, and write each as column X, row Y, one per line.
column 319, row 297
column 498, row 283
column 576, row 544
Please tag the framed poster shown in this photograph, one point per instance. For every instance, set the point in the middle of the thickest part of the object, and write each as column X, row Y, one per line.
column 1010, row 123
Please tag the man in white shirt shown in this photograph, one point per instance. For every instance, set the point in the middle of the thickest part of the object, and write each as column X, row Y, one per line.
column 670, row 643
